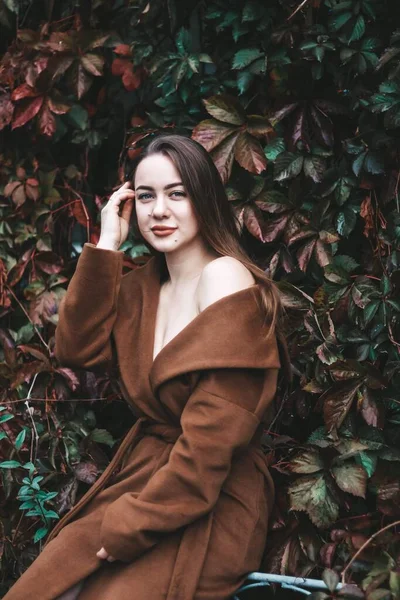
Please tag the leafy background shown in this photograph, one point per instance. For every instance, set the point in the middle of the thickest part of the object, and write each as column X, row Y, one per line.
column 299, row 105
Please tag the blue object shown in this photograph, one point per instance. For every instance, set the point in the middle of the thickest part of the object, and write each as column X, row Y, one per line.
column 301, row 585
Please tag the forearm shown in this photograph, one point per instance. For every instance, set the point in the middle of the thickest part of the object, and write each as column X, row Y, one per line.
column 87, row 312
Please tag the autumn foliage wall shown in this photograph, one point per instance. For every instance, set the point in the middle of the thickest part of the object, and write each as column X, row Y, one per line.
column 299, row 105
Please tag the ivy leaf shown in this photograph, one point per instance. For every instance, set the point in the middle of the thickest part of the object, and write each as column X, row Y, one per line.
column 346, row 221
column 223, row 156
column 307, row 462
column 40, row 533
column 226, row 109
column 358, row 29
column 314, row 167
column 243, row 58
column 275, row 148
column 26, row 110
column 287, row 166
column 312, row 495
column 337, row 403
column 249, row 154
column 253, row 222
column 210, row 133
column 351, row 478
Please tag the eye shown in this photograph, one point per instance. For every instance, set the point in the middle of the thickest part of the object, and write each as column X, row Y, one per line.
column 144, row 196
column 179, row 194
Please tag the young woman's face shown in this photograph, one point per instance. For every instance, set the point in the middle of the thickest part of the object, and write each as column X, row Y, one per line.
column 161, row 201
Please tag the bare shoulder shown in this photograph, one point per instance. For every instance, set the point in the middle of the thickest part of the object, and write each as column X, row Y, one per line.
column 222, row 277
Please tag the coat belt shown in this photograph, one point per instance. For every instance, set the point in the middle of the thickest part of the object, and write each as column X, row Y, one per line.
column 188, row 565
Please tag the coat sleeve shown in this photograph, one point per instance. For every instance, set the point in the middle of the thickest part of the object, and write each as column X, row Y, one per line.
column 88, row 310
column 220, row 418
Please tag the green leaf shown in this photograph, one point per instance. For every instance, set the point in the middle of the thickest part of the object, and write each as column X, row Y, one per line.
column 358, row 29
column 339, row 21
column 20, row 439
column 102, row 436
column 346, row 221
column 287, row 166
column 225, row 108
column 368, row 461
column 331, row 579
column 5, row 418
column 40, row 533
column 183, row 41
column 243, row 58
column 311, row 494
column 273, row 149
column 10, row 464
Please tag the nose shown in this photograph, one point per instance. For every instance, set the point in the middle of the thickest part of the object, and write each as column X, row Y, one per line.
column 160, row 207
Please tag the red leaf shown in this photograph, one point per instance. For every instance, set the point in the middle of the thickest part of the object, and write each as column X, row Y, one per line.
column 32, row 191
column 253, row 221
column 132, row 79
column 119, row 66
column 123, row 50
column 249, row 154
column 304, row 254
column 223, row 156
column 48, row 262
column 35, row 351
column 272, row 229
column 82, row 80
column 47, row 122
column 26, row 111
column 337, row 403
column 210, row 133
column 6, row 110
column 24, row 91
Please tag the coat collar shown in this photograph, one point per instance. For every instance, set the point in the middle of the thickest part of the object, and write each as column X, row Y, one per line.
column 229, row 333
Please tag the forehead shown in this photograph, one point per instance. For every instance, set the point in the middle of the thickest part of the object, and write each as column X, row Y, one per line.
column 156, row 169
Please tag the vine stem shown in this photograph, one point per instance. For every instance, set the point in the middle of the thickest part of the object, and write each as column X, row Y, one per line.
column 365, row 545
column 29, row 411
column 28, row 317
column 301, row 5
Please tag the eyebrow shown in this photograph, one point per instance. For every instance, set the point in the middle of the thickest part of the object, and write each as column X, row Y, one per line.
column 167, row 187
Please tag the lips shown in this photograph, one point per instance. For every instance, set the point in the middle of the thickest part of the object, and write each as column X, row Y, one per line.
column 162, row 228
column 163, row 231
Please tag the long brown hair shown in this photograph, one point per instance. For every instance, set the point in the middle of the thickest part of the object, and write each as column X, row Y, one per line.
column 218, row 223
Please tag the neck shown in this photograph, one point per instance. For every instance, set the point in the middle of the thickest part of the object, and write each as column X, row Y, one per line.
column 185, row 266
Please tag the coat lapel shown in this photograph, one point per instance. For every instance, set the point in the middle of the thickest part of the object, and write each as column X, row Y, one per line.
column 228, row 333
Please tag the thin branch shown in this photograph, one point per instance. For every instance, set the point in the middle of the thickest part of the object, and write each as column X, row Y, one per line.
column 28, row 317
column 394, row 524
column 301, row 5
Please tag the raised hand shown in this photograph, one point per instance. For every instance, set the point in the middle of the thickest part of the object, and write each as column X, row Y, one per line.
column 115, row 218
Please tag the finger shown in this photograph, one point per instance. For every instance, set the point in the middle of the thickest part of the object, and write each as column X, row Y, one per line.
column 102, row 553
column 118, row 197
column 126, row 211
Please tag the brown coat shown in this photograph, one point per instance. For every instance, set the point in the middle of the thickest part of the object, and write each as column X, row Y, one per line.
column 184, row 504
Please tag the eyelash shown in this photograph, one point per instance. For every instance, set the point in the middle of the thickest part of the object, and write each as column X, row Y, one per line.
column 142, row 196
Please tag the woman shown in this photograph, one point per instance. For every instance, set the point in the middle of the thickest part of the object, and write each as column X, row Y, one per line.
column 181, row 512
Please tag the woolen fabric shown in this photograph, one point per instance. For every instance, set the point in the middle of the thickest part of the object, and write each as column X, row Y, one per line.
column 185, row 502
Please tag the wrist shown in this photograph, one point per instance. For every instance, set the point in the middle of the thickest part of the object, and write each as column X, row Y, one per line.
column 107, row 245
